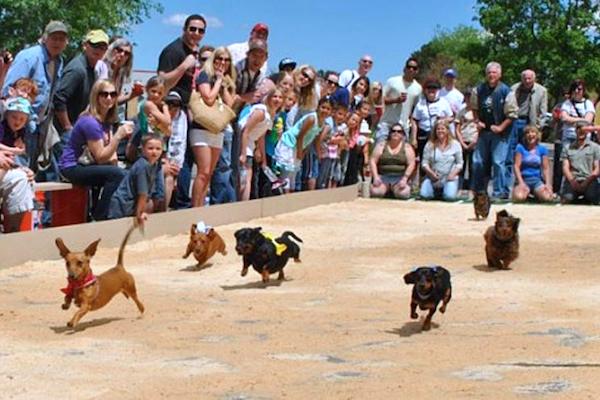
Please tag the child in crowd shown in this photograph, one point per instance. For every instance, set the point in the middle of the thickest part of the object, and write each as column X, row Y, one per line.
column 139, row 191
column 467, row 134
column 13, row 127
column 253, row 126
column 330, row 169
column 358, row 148
column 272, row 138
column 154, row 113
column 176, row 147
column 289, row 152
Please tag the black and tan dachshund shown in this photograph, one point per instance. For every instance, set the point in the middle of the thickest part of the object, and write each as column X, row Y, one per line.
column 431, row 285
column 267, row 255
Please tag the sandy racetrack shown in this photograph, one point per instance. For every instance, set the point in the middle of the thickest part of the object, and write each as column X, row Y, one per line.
column 338, row 328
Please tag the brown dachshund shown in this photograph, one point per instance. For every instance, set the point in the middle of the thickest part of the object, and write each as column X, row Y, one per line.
column 502, row 241
column 92, row 292
column 481, row 204
column 204, row 245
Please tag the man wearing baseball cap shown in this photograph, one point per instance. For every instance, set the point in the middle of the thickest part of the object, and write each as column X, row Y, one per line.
column 450, row 92
column 240, row 50
column 73, row 93
column 42, row 63
column 287, row 65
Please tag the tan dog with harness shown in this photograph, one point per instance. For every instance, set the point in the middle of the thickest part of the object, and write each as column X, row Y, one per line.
column 92, row 292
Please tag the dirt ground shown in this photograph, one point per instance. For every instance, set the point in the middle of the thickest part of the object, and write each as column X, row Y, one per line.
column 337, row 328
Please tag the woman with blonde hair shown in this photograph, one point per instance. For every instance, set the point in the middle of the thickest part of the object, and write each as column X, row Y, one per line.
column 89, row 158
column 116, row 66
column 442, row 163
column 532, row 168
column 216, row 81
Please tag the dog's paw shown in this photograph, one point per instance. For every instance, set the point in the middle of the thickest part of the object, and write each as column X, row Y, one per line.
column 65, row 306
column 244, row 271
column 70, row 324
column 443, row 309
column 298, row 260
column 414, row 315
column 427, row 326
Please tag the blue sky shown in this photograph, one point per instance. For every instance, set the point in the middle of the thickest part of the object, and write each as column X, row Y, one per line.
column 325, row 34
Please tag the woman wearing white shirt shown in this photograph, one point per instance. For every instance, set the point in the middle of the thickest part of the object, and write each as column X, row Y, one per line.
column 254, row 126
column 576, row 108
column 442, row 163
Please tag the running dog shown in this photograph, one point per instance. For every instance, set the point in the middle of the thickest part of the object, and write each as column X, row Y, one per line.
column 267, row 255
column 502, row 241
column 481, row 204
column 431, row 285
column 92, row 292
column 204, row 244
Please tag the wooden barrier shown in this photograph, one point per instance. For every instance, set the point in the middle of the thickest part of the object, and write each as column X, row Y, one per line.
column 17, row 248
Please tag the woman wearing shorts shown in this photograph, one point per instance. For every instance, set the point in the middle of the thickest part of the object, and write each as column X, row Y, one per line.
column 532, row 168
column 217, row 80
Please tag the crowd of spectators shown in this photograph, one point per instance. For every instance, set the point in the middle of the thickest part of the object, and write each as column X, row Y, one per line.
column 290, row 130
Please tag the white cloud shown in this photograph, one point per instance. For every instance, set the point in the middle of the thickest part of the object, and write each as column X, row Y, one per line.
column 175, row 19
column 179, row 20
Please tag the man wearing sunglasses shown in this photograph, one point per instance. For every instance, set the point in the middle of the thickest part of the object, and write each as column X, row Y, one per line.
column 176, row 65
column 73, row 93
column 349, row 76
column 177, row 61
column 400, row 94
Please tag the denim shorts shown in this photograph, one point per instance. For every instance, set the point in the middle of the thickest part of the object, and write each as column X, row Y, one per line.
column 533, row 182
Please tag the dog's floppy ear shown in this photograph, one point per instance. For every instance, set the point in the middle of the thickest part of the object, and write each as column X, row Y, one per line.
column 91, row 249
column 411, row 277
column 516, row 222
column 193, row 229
column 211, row 233
column 63, row 249
column 502, row 213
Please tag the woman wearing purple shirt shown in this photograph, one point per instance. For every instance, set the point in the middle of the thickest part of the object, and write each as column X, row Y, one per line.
column 93, row 130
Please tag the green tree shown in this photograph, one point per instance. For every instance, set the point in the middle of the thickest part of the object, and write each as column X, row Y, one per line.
column 559, row 39
column 463, row 48
column 22, row 21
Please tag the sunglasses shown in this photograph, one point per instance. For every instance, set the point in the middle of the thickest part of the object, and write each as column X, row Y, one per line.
column 195, row 29
column 203, row 59
column 413, row 67
column 367, row 61
column 332, row 83
column 101, row 46
column 307, row 76
column 105, row 94
column 397, row 131
column 223, row 59
column 122, row 51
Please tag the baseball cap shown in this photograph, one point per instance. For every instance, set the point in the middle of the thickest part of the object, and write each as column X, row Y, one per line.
column 451, row 72
column 287, row 62
column 257, row 44
column 55, row 26
column 97, row 36
column 18, row 104
column 260, row 27
column 173, row 98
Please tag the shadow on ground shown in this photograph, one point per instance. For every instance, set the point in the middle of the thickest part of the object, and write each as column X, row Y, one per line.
column 84, row 325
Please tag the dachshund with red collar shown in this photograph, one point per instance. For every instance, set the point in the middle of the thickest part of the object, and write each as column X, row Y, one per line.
column 92, row 292
column 431, row 285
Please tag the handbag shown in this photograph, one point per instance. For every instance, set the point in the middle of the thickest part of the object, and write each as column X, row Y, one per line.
column 213, row 118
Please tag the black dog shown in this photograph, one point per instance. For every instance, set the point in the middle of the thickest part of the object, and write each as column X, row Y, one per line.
column 431, row 285
column 265, row 254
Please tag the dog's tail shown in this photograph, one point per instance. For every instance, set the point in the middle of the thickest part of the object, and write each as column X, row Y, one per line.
column 123, row 244
column 287, row 234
